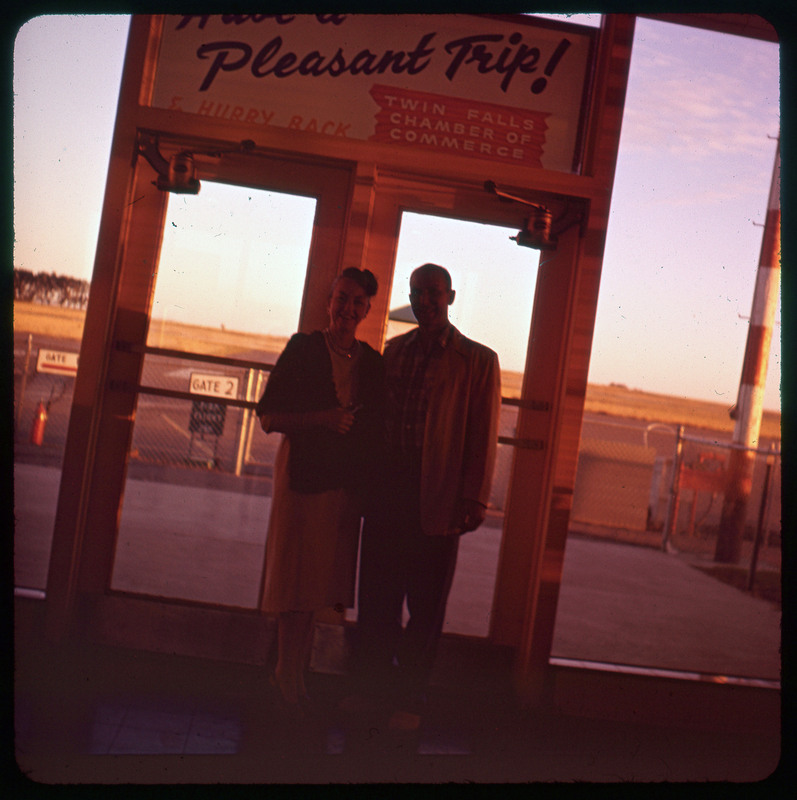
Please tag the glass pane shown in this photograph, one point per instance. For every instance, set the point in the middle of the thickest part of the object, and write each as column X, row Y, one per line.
column 197, row 498
column 42, row 407
column 233, row 260
column 668, row 350
column 59, row 176
column 495, row 281
column 190, row 528
column 634, row 594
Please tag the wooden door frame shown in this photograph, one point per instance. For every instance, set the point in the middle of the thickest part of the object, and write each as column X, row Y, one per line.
column 530, row 570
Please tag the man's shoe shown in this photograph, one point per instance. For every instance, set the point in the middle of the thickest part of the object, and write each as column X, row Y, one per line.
column 361, row 704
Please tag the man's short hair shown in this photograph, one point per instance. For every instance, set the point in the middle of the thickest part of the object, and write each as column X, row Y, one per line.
column 434, row 269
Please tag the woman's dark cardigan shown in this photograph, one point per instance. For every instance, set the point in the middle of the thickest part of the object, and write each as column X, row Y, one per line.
column 322, row 459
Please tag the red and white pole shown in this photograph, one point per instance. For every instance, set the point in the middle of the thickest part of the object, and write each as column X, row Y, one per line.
column 750, row 402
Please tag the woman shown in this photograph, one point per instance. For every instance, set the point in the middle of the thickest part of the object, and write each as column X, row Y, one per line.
column 325, row 394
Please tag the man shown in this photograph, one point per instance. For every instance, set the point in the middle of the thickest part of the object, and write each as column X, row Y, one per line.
column 443, row 403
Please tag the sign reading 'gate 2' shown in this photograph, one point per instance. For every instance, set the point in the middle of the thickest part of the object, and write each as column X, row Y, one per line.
column 482, row 86
column 215, row 385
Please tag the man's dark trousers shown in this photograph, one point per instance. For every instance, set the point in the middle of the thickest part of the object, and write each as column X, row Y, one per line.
column 398, row 560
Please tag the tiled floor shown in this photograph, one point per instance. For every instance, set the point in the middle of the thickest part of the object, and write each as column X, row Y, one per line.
column 134, row 720
column 162, row 726
column 104, row 715
column 146, row 727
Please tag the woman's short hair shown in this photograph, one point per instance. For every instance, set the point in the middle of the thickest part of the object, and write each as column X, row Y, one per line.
column 364, row 278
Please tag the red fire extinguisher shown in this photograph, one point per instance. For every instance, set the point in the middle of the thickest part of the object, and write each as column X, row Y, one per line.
column 39, row 421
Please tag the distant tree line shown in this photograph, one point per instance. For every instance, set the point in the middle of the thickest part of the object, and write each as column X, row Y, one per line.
column 49, row 289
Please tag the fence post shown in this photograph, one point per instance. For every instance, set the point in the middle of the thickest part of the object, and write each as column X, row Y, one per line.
column 672, row 501
column 255, row 421
column 768, row 514
column 761, row 518
column 659, row 466
column 242, row 434
column 23, row 387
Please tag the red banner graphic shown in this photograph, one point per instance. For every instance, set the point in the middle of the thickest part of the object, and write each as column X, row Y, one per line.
column 458, row 126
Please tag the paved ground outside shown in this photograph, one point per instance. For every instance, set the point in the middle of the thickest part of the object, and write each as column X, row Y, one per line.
column 618, row 603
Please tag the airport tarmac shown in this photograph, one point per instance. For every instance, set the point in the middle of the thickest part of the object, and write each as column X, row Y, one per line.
column 618, row 603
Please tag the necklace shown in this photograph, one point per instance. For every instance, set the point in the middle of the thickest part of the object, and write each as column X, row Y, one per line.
column 341, row 351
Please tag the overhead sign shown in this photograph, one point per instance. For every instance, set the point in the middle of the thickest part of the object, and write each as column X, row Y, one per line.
column 501, row 89
column 216, row 385
column 57, row 362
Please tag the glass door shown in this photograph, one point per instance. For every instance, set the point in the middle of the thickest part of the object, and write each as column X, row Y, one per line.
column 228, row 295
column 495, row 283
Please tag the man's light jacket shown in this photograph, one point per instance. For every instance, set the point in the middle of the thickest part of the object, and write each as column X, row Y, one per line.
column 461, row 431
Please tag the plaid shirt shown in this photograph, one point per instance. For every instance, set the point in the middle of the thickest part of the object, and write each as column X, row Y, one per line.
column 409, row 379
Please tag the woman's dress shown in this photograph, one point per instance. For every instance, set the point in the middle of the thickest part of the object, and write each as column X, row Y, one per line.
column 312, row 540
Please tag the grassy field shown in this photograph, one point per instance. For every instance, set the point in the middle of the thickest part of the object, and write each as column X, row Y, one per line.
column 618, row 401
column 614, row 400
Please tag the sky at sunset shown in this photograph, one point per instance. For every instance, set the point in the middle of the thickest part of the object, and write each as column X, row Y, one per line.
column 684, row 240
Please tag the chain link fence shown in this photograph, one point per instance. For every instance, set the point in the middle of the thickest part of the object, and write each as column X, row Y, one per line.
column 625, row 479
column 669, row 488
column 200, row 433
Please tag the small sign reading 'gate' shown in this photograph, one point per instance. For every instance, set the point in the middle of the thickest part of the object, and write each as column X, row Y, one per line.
column 56, row 362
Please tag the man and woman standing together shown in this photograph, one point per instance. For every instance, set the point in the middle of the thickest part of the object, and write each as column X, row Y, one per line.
column 407, row 441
